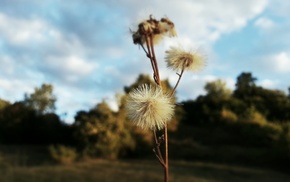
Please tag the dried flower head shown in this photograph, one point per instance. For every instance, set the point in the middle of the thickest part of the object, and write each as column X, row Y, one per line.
column 179, row 59
column 156, row 29
column 167, row 26
column 149, row 107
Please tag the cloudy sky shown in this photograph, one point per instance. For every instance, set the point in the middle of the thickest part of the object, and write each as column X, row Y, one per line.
column 84, row 48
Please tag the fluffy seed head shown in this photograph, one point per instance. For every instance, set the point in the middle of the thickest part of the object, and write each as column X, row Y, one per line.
column 178, row 59
column 148, row 107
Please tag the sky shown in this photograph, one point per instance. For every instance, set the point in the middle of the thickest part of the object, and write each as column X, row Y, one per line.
column 85, row 49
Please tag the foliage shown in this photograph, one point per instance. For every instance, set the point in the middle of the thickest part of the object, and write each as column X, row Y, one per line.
column 42, row 100
column 20, row 124
column 63, row 154
column 3, row 104
column 217, row 88
column 228, row 116
column 245, row 81
column 101, row 132
column 252, row 118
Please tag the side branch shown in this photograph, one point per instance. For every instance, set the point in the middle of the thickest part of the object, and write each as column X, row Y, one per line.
column 179, row 78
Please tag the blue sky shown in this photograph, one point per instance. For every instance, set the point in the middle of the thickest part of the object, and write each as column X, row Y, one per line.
column 84, row 48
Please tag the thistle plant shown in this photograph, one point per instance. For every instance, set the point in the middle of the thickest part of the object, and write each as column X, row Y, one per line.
column 148, row 106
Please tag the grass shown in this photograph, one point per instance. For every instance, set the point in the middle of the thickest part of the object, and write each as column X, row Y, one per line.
column 32, row 164
column 137, row 170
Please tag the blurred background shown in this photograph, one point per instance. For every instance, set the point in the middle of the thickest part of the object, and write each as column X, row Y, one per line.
column 66, row 68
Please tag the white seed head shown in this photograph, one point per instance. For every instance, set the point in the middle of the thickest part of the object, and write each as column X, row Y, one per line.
column 178, row 59
column 149, row 108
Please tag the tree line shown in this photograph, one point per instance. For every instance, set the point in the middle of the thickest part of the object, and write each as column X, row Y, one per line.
column 249, row 116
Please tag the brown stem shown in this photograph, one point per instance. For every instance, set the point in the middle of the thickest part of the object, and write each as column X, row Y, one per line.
column 158, row 153
column 154, row 61
column 166, row 154
column 151, row 57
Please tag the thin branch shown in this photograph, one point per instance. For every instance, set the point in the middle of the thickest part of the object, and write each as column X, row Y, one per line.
column 147, row 54
column 157, row 146
column 160, row 159
column 179, row 78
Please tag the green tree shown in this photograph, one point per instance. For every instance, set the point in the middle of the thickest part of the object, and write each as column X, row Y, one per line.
column 102, row 132
column 42, row 100
column 3, row 104
column 218, row 89
column 245, row 80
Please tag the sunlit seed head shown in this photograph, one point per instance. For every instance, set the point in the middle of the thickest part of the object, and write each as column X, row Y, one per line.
column 149, row 108
column 179, row 59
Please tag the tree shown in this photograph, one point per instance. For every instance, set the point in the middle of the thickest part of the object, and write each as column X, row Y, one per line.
column 3, row 104
column 245, row 80
column 102, row 132
column 217, row 89
column 245, row 86
column 42, row 100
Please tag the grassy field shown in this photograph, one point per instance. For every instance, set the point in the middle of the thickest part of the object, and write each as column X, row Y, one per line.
column 137, row 170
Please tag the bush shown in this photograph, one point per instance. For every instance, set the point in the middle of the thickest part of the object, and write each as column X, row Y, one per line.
column 251, row 115
column 63, row 154
column 228, row 116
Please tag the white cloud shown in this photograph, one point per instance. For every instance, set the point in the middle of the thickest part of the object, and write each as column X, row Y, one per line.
column 78, row 66
column 13, row 90
column 267, row 83
column 70, row 67
column 264, row 23
column 205, row 21
column 20, row 31
column 280, row 62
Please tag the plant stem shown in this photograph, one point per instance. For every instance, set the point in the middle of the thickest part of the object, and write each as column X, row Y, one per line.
column 166, row 173
column 157, row 79
column 151, row 55
column 157, row 150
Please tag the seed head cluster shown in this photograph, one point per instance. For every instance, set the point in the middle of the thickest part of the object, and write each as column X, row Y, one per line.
column 156, row 29
column 149, row 108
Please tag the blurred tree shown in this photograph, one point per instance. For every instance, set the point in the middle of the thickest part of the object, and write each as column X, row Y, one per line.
column 20, row 124
column 3, row 104
column 217, row 88
column 142, row 79
column 274, row 105
column 42, row 100
column 245, row 80
column 13, row 123
column 102, row 132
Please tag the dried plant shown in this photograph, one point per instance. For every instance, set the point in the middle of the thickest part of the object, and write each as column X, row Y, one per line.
column 148, row 106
